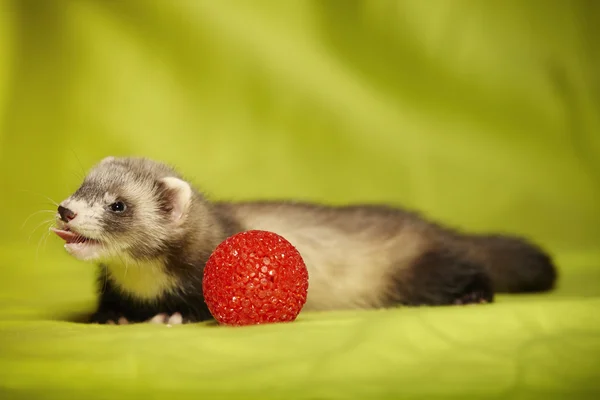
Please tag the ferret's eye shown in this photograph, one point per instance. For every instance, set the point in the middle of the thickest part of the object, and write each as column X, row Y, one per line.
column 117, row 207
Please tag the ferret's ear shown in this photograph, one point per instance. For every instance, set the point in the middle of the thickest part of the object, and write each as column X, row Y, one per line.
column 177, row 197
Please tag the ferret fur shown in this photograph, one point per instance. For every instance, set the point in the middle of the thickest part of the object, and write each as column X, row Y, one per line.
column 151, row 255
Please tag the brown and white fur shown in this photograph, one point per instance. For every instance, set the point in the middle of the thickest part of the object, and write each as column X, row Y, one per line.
column 151, row 232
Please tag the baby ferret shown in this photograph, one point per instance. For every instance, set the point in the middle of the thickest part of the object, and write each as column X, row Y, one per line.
column 151, row 233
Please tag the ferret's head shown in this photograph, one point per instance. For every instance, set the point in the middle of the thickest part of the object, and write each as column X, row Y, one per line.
column 126, row 208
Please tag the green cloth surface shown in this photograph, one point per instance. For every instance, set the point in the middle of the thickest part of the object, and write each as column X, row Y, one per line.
column 482, row 114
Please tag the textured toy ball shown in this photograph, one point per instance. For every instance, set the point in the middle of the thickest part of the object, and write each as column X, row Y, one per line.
column 255, row 277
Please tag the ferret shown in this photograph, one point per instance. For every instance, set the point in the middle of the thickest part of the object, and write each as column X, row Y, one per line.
column 151, row 232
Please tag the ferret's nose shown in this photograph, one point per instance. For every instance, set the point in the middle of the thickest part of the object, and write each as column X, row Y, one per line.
column 65, row 214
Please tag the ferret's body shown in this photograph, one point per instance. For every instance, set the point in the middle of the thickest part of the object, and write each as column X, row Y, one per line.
column 152, row 233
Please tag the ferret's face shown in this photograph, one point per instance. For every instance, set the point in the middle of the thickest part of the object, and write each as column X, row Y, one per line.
column 123, row 210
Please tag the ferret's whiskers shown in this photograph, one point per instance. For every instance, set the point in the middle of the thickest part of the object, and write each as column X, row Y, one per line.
column 83, row 173
column 105, row 277
column 48, row 233
column 47, row 222
column 124, row 262
column 43, row 238
column 35, row 213
column 54, row 203
column 113, row 247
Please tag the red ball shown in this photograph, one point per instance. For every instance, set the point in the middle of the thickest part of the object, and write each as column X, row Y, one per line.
column 255, row 277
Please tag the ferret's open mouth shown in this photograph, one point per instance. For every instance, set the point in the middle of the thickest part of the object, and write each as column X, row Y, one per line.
column 78, row 245
column 71, row 237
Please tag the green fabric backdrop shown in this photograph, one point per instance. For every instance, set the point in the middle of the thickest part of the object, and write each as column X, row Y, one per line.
column 483, row 114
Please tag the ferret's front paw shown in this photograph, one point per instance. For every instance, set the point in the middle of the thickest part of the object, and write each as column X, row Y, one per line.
column 163, row 318
column 107, row 317
column 113, row 318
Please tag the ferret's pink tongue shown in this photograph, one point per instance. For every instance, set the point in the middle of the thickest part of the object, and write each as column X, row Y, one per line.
column 67, row 236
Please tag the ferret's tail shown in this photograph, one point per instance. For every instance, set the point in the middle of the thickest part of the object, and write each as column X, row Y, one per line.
column 515, row 265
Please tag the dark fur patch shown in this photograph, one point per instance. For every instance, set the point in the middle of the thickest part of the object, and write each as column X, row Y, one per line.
column 515, row 265
column 439, row 277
